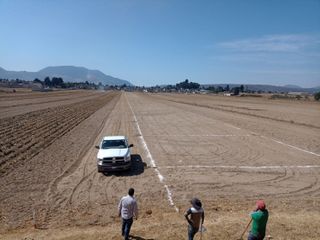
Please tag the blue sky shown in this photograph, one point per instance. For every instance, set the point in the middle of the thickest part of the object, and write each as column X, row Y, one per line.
column 151, row 42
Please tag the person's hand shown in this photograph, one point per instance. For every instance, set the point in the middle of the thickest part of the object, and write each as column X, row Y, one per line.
column 190, row 222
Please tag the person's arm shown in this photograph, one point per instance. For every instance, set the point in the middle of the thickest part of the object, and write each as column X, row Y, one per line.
column 202, row 218
column 120, row 207
column 255, row 215
column 186, row 215
column 135, row 210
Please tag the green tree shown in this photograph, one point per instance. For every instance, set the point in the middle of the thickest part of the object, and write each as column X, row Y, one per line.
column 317, row 96
column 219, row 89
column 211, row 88
column 47, row 82
column 187, row 85
column 236, row 91
column 36, row 80
column 57, row 81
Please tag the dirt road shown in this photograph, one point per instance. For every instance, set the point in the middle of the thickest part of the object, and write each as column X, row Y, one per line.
column 226, row 151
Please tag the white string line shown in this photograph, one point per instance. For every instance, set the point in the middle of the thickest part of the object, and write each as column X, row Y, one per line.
column 282, row 143
column 199, row 135
column 241, row 167
column 152, row 162
column 294, row 147
column 227, row 124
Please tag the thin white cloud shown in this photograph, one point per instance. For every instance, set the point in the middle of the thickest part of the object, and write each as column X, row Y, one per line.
column 286, row 72
column 273, row 43
column 281, row 59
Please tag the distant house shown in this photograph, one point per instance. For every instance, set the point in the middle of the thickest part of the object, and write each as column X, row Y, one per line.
column 297, row 93
column 36, row 87
column 203, row 91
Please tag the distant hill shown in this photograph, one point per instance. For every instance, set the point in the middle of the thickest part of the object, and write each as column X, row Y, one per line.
column 291, row 86
column 271, row 88
column 68, row 73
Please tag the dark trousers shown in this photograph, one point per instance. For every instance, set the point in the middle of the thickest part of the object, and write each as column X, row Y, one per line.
column 252, row 237
column 191, row 232
column 126, row 226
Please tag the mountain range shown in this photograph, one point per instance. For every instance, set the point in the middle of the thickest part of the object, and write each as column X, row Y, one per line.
column 82, row 74
column 68, row 73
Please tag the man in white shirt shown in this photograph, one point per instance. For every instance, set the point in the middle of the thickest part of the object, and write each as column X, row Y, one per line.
column 128, row 209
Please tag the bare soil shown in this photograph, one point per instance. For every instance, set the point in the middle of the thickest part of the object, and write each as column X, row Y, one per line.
column 228, row 151
column 17, row 103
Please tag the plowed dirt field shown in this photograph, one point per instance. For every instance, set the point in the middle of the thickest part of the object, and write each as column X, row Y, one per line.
column 227, row 151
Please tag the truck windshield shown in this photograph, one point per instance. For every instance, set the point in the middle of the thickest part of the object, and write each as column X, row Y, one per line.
column 106, row 144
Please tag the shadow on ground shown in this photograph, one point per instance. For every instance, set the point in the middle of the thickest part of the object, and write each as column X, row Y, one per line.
column 139, row 238
column 137, row 168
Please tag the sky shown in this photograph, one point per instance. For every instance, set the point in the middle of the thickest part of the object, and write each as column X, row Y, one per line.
column 155, row 42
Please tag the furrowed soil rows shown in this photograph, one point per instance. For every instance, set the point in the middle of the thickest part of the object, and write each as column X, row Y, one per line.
column 23, row 136
column 13, row 104
column 40, row 98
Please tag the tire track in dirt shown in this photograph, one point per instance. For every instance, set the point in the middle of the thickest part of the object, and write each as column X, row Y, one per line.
column 119, row 125
column 108, row 187
column 102, row 189
column 53, row 195
column 77, row 186
column 86, row 185
column 311, row 188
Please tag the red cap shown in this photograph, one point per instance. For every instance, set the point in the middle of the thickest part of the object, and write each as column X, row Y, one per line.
column 260, row 205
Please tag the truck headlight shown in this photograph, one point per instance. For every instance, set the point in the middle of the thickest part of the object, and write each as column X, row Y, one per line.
column 100, row 162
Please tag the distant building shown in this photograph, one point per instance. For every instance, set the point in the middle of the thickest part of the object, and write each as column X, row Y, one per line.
column 297, row 93
column 36, row 87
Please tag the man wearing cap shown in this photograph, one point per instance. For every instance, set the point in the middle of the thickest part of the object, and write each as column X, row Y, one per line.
column 259, row 221
column 127, row 210
column 196, row 213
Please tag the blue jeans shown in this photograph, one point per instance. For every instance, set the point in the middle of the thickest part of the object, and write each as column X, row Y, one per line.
column 126, row 226
column 191, row 232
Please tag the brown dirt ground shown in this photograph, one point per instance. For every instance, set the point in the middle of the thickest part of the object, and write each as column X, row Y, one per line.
column 12, row 104
column 228, row 151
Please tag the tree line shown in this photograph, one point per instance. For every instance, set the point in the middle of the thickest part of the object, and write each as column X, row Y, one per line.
column 59, row 83
column 186, row 85
column 54, row 82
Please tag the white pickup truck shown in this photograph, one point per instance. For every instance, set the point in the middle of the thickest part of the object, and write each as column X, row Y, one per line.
column 114, row 154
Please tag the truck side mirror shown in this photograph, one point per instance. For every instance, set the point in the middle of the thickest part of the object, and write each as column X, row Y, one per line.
column 97, row 147
column 131, row 145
